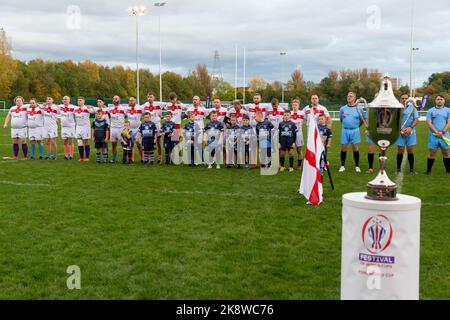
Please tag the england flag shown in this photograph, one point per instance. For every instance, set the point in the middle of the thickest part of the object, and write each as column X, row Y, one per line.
column 311, row 183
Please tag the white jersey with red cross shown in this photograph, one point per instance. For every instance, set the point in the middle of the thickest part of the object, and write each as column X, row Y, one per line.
column 82, row 116
column 66, row 113
column 176, row 110
column 155, row 109
column 315, row 111
column 18, row 116
column 117, row 115
column 51, row 113
column 200, row 113
column 134, row 115
column 35, row 117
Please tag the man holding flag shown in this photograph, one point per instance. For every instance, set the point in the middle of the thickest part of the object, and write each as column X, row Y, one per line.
column 311, row 182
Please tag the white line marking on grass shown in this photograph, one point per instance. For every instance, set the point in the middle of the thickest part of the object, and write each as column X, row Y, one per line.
column 401, row 175
column 14, row 183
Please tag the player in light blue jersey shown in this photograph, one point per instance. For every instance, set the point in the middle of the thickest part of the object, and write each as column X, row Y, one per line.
column 438, row 120
column 351, row 121
column 407, row 138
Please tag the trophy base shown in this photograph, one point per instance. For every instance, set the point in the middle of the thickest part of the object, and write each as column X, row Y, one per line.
column 381, row 193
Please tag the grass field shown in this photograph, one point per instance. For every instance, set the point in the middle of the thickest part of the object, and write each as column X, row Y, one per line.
column 190, row 233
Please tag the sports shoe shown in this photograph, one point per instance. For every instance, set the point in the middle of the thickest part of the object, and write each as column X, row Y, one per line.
column 81, row 159
column 342, row 169
column 413, row 172
column 66, row 158
column 210, row 166
column 291, row 169
column 299, row 168
column 428, row 173
column 399, row 171
column 86, row 159
column 358, row 169
column 40, row 158
column 24, row 158
column 14, row 158
column 70, row 158
column 31, row 158
column 218, row 166
column 282, row 169
column 370, row 170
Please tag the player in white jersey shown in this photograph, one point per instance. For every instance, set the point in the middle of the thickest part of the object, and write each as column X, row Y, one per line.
column 237, row 111
column 297, row 116
column 134, row 116
column 316, row 109
column 51, row 113
column 275, row 113
column 252, row 109
column 35, row 120
column 101, row 106
column 17, row 115
column 83, row 129
column 155, row 110
column 221, row 111
column 117, row 118
column 67, row 127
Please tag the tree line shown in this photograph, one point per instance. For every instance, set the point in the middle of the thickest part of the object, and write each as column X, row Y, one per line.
column 39, row 78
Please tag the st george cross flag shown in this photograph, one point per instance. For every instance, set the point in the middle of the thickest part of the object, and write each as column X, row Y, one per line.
column 311, row 183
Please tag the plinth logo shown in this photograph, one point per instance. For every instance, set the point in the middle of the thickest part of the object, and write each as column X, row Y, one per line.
column 377, row 234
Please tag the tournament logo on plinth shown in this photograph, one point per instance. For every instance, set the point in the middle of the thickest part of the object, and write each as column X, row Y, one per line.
column 377, row 235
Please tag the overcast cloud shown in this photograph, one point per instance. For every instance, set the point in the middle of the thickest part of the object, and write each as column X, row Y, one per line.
column 318, row 35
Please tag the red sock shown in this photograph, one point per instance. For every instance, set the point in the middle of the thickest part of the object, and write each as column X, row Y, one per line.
column 66, row 150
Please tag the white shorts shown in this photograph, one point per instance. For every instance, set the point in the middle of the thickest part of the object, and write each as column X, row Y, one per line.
column 299, row 139
column 20, row 133
column 83, row 133
column 116, row 134
column 50, row 132
column 135, row 134
column 67, row 132
column 158, row 128
column 36, row 134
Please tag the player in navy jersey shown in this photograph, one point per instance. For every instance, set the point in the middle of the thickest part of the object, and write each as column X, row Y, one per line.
column 100, row 134
column 190, row 133
column 231, row 137
column 147, row 138
column 213, row 138
column 168, row 129
column 325, row 132
column 264, row 134
column 287, row 131
column 247, row 135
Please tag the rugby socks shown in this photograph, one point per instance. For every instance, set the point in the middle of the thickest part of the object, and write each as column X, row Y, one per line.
column 370, row 158
column 399, row 160
column 98, row 156
column 66, row 151
column 33, row 150
column 152, row 156
column 41, row 151
column 299, row 162
column 16, row 149
column 447, row 164
column 124, row 156
column 291, row 162
column 55, row 155
column 282, row 161
column 343, row 158
column 356, row 158
column 87, row 150
column 430, row 164
column 81, row 151
column 105, row 154
column 25, row 150
column 411, row 160
column 49, row 155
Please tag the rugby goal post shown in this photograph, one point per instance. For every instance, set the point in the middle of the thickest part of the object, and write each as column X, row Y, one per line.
column 3, row 106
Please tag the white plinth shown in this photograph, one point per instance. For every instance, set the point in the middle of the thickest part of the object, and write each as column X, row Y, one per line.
column 380, row 248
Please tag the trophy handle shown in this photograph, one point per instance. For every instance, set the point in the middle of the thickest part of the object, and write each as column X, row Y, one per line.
column 364, row 102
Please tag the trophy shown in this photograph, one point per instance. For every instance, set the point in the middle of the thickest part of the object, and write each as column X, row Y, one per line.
column 384, row 124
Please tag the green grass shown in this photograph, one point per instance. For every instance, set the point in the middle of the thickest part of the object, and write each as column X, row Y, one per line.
column 181, row 233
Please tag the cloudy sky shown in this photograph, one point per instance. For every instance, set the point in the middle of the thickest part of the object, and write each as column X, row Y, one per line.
column 318, row 35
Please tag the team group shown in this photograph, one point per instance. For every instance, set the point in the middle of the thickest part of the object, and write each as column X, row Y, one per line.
column 132, row 125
